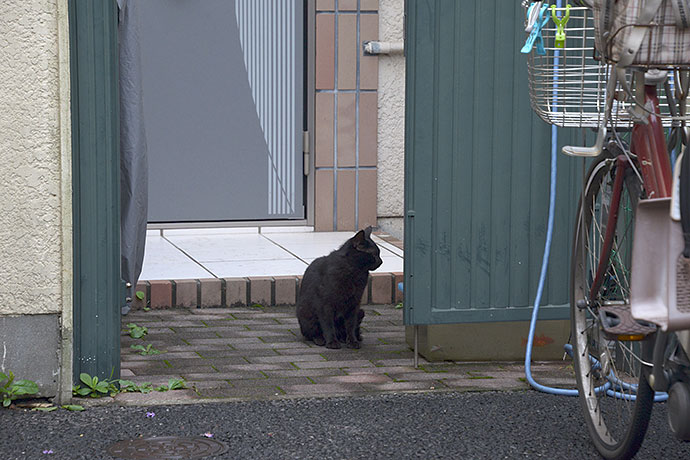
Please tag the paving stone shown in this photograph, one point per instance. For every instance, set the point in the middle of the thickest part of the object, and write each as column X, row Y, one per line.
column 137, row 303
column 190, row 333
column 418, row 376
column 209, row 384
column 186, row 293
column 280, row 339
column 333, row 364
column 218, row 361
column 156, row 397
column 226, row 361
column 206, row 376
column 381, row 288
column 126, row 373
column 380, row 370
column 161, row 294
column 355, row 378
column 398, row 386
column 219, row 341
column 133, row 356
column 235, row 291
column 285, row 290
column 303, row 373
column 210, row 292
column 273, row 360
column 303, row 360
column 263, row 367
column 260, row 290
column 256, row 392
column 300, row 351
column 192, row 322
column 226, row 352
column 399, row 362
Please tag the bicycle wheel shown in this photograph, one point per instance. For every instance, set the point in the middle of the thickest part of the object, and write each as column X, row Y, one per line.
column 607, row 349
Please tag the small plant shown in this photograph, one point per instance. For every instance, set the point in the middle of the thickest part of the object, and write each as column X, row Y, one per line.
column 145, row 350
column 127, row 386
column 95, row 388
column 11, row 390
column 137, row 332
column 175, row 384
column 140, row 295
column 73, row 407
column 45, row 409
column 398, row 305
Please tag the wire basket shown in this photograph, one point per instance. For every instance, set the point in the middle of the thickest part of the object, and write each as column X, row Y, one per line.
column 567, row 86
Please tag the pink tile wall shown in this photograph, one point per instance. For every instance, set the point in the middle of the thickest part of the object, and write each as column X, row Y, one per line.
column 346, row 115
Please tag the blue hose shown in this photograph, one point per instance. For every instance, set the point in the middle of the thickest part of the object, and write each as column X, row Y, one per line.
column 659, row 396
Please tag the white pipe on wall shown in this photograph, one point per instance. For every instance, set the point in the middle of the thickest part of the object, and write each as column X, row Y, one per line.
column 376, row 47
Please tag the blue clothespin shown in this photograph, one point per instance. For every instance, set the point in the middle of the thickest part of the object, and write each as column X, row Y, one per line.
column 535, row 38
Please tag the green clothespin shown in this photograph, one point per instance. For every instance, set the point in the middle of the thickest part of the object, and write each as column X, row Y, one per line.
column 560, row 25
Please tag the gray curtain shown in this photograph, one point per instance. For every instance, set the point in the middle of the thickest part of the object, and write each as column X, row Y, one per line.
column 133, row 155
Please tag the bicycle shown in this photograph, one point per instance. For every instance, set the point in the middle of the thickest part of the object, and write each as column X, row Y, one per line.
column 629, row 332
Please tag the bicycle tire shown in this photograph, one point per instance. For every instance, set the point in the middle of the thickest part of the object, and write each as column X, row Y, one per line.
column 617, row 425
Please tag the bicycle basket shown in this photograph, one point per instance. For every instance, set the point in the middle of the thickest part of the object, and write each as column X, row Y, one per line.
column 567, row 86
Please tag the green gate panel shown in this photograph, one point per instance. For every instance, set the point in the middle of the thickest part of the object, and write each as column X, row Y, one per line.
column 477, row 166
column 98, row 291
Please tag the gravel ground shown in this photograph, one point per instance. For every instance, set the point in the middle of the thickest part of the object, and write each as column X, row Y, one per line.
column 485, row 425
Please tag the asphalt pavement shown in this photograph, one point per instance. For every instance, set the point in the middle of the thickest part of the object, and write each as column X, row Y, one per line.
column 469, row 425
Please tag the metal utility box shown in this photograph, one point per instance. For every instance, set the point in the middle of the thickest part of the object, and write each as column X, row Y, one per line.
column 477, row 165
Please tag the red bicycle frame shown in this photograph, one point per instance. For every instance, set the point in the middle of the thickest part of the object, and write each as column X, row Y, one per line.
column 649, row 145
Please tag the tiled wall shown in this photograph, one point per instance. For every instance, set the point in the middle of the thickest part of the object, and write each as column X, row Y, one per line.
column 345, row 152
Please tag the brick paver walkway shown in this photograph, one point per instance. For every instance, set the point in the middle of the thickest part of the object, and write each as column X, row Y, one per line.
column 258, row 353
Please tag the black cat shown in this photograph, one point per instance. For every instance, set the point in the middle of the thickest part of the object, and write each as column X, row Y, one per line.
column 331, row 290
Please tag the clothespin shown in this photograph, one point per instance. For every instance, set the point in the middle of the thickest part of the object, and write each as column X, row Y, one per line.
column 532, row 15
column 535, row 38
column 559, row 42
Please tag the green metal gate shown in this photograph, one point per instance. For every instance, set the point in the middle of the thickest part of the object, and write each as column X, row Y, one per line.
column 477, row 164
column 98, row 290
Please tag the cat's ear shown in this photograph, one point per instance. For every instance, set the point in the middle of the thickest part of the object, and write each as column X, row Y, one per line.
column 359, row 238
column 367, row 231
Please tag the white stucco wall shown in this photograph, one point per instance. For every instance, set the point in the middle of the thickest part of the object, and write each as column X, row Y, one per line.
column 391, row 126
column 34, row 139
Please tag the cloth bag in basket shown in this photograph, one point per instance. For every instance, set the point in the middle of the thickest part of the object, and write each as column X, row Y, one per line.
column 643, row 32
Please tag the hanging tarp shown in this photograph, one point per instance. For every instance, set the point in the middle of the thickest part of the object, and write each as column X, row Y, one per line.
column 133, row 155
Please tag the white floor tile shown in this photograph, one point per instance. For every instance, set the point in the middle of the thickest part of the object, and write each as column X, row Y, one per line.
column 384, row 246
column 237, row 253
column 287, row 229
column 333, row 238
column 209, row 231
column 224, row 248
column 390, row 264
column 163, row 261
column 244, row 268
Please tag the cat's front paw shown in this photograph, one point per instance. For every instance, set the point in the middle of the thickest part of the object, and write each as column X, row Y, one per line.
column 333, row 345
column 353, row 344
column 319, row 341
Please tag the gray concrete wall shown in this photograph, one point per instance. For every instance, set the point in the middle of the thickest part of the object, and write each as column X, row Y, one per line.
column 30, row 348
